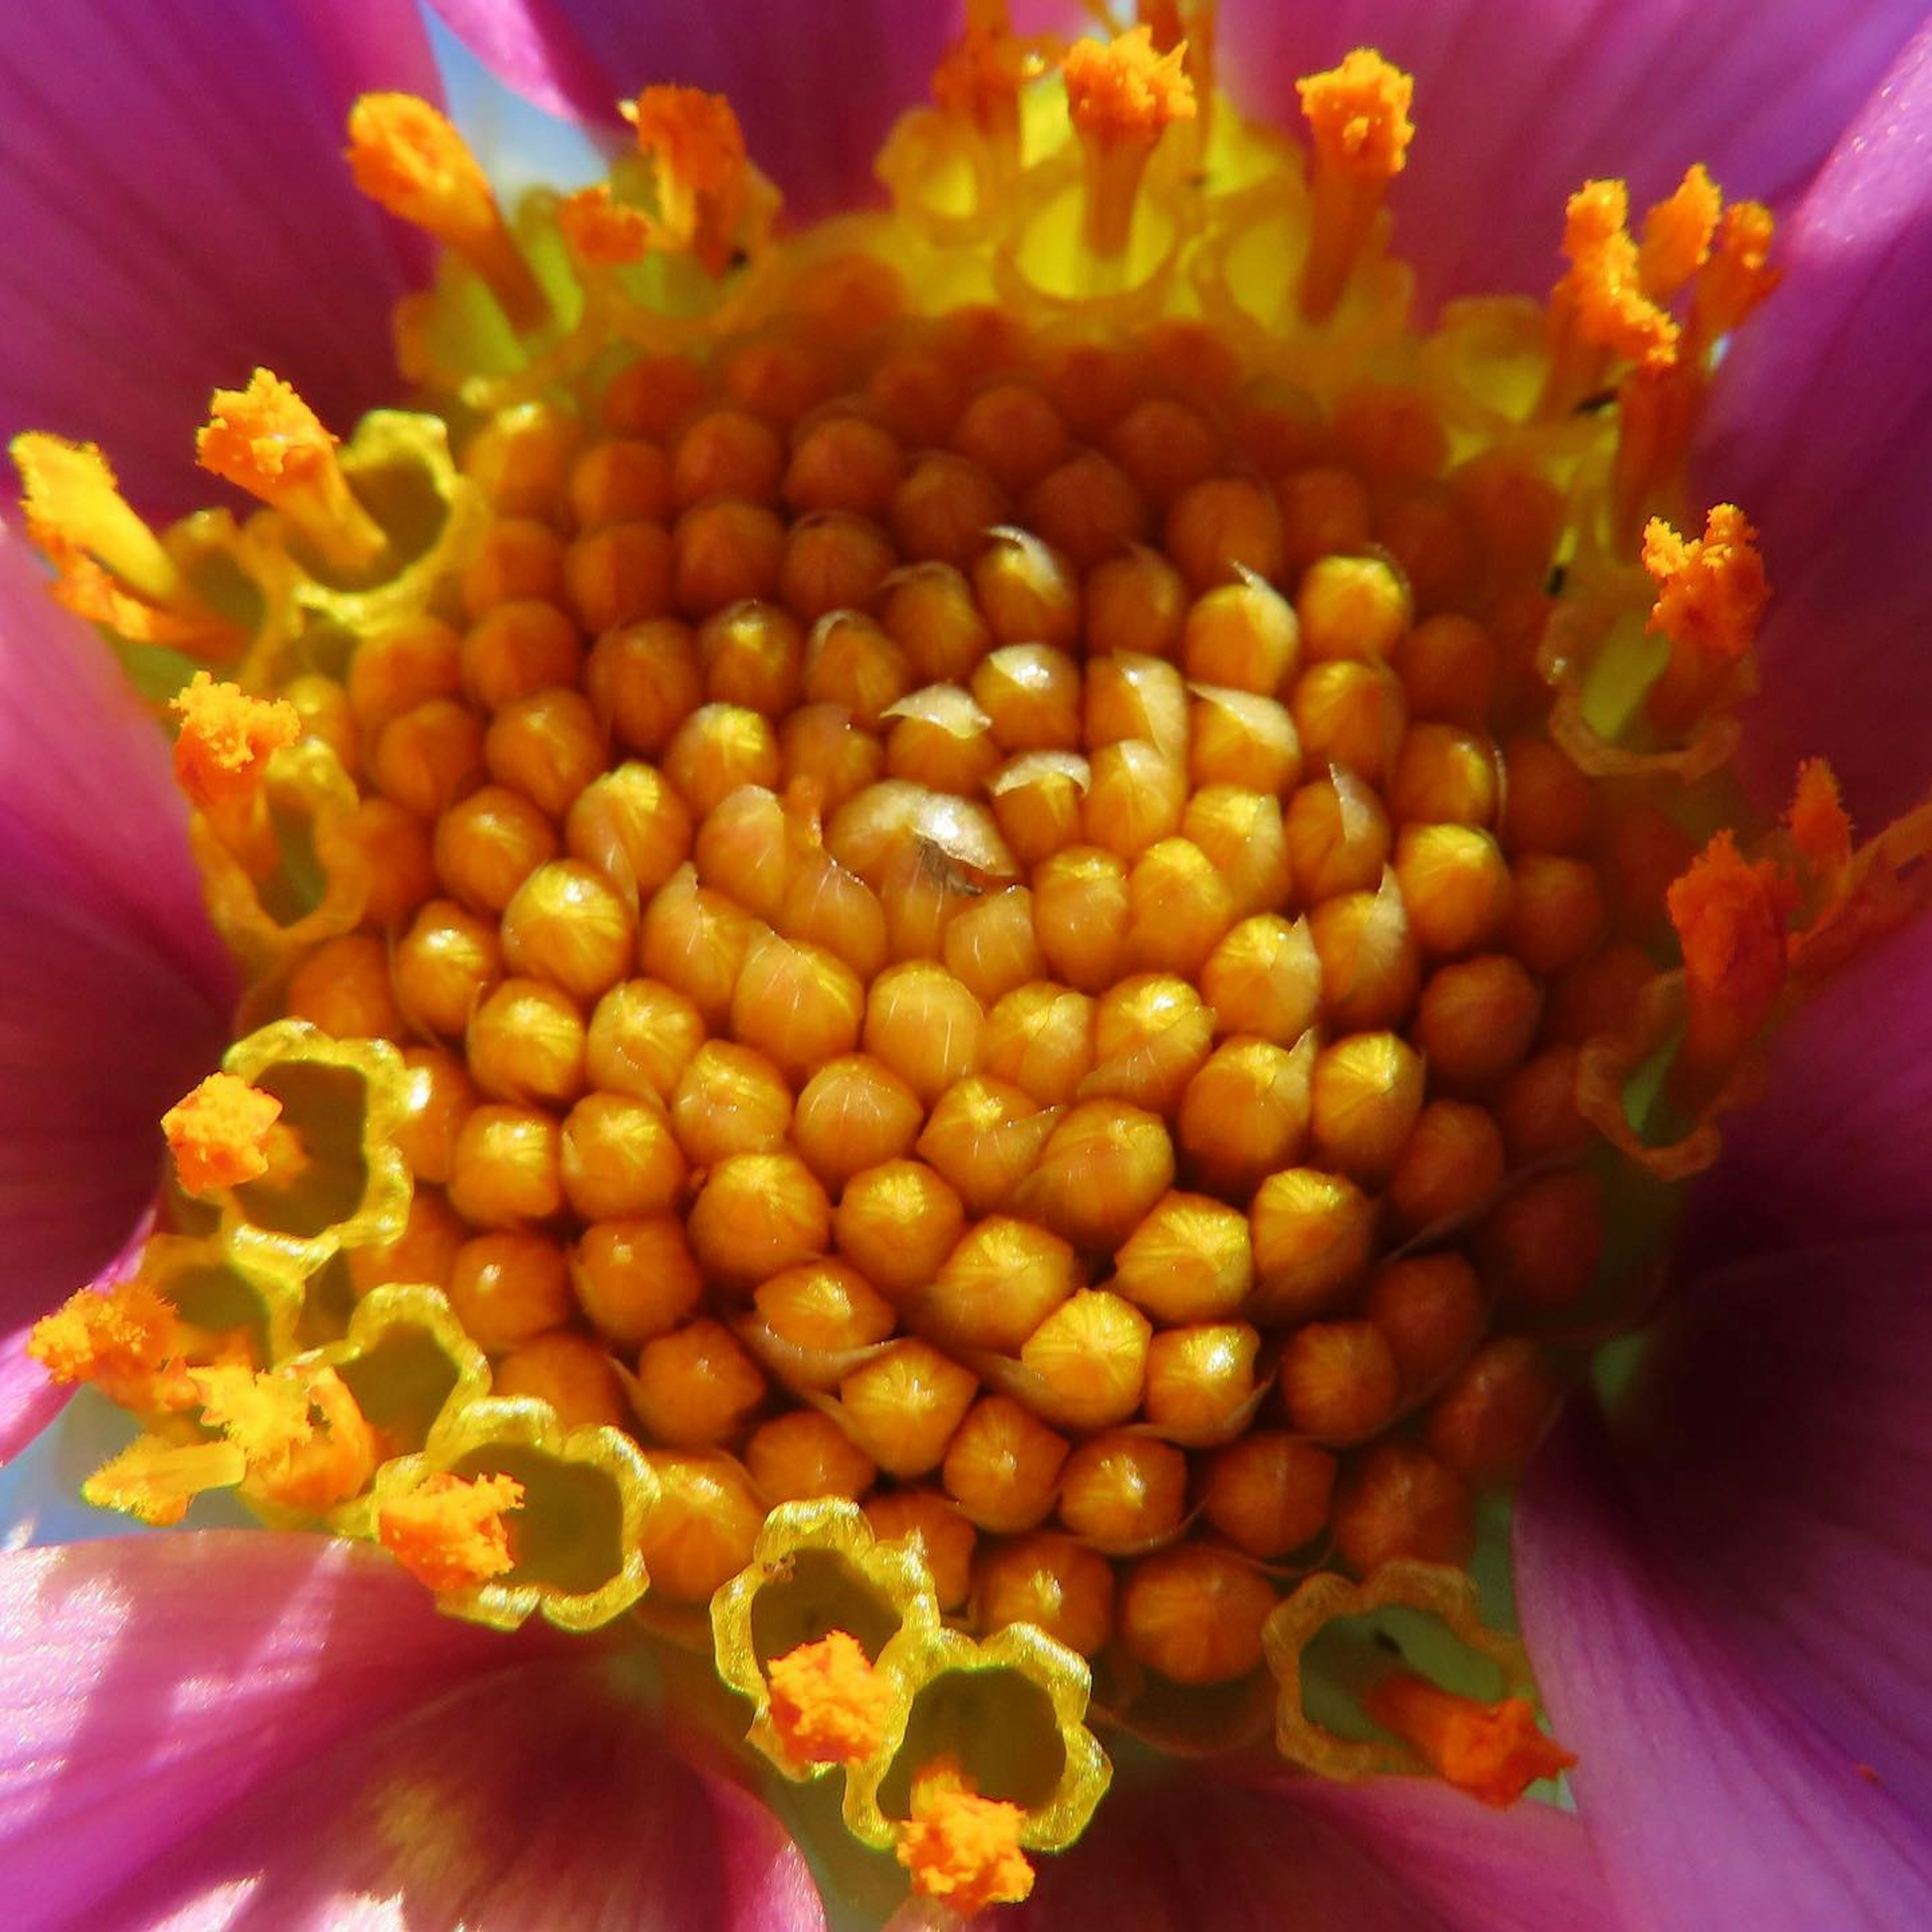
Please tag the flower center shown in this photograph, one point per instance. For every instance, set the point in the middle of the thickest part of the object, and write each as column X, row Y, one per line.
column 945, row 951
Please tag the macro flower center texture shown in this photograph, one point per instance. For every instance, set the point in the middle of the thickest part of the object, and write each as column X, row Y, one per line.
column 974, row 953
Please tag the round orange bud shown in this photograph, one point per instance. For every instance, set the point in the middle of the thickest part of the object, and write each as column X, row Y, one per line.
column 726, row 453
column 1400, row 1501
column 487, row 846
column 1370, row 970
column 504, row 1170
column 853, row 1114
column 1429, row 1309
column 1350, row 714
column 757, row 1214
column 1051, row 1582
column 725, row 550
column 1195, row 1613
column 842, row 463
column 1338, row 1380
column 695, row 941
column 1031, row 694
column 799, row 1004
column 897, row 1222
column 832, row 561
column 1444, row 776
column 701, row 1532
column 516, row 558
column 1364, row 1096
column 1451, row 1163
column 729, row 1099
column 1447, row 666
column 1455, row 887
column 517, row 650
column 437, row 1093
column 395, row 670
column 1269, row 1493
column 1476, row 1019
column 803, row 1455
column 1549, row 805
column 1138, row 602
column 902, row 1406
column 1264, row 979
column 642, row 1036
column 1486, row 1423
column 443, row 966
column 526, row 1043
column 548, row 747
column 343, row 987
column 944, row 509
column 1541, row 1243
column 1351, row 607
column 616, row 481
column 1028, row 593
column 619, row 1158
column 1537, row 1106
column 696, row 1387
column 1200, row 1379
column 1243, row 636
column 1245, row 1115
column 573, row 1375
column 825, row 1307
column 637, row 1278
column 1313, row 1233
column 1557, row 913
column 643, row 681
column 1088, row 1360
column 1105, row 1166
column 567, row 924
column 1222, row 526
column 507, row 1289
column 1002, row 1278
column 946, row 1539
column 1123, row 1491
column 849, row 662
column 1003, row 1465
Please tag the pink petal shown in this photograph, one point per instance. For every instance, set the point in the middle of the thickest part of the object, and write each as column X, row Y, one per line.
column 1780, row 1450
column 1821, row 421
column 1837, row 1145
column 1272, row 1849
column 116, row 986
column 177, row 210
column 1714, row 1799
column 543, row 1795
column 1517, row 102
column 147, row 1684
column 815, row 88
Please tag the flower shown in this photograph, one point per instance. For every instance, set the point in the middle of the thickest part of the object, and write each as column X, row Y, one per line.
column 1579, row 1520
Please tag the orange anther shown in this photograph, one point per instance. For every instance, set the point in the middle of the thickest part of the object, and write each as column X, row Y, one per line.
column 226, row 739
column 829, row 1705
column 448, row 1531
column 603, row 230
column 962, row 1849
column 1712, row 590
column 1600, row 297
column 1820, row 827
column 1677, row 233
column 1730, row 915
column 1493, row 1751
column 219, row 1133
column 123, row 1341
column 1358, row 116
column 703, row 175
column 1738, row 276
column 1123, row 90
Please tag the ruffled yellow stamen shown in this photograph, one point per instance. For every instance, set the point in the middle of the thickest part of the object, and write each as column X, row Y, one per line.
column 1711, row 594
column 1677, row 233
column 406, row 157
column 127, row 1343
column 703, row 173
column 448, row 1531
column 1598, row 310
column 266, row 440
column 1820, row 827
column 962, row 1849
column 1738, row 276
column 1495, row 1752
column 154, row 1481
column 219, row 1134
column 226, row 739
column 303, row 1437
column 603, row 231
column 1122, row 95
column 1358, row 121
column 829, row 1705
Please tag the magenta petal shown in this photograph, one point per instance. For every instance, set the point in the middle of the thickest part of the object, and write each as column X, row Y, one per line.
column 1821, row 422
column 816, row 88
column 544, row 1795
column 147, row 1684
column 1517, row 102
column 1837, row 1145
column 28, row 1399
column 1714, row 1800
column 1272, row 1850
column 115, row 984
column 177, row 210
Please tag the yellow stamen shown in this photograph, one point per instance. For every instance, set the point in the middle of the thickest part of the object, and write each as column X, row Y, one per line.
column 1820, row 827
column 703, row 175
column 829, row 1705
column 226, row 739
column 219, row 1133
column 407, row 158
column 1494, row 1752
column 291, row 1458
column 604, row 231
column 961, row 1849
column 126, row 1342
column 1738, row 276
column 155, row 1480
column 1121, row 96
column 1598, row 309
column 266, row 440
column 74, row 509
column 1677, row 233
column 1711, row 593
column 1358, row 120
column 448, row 1531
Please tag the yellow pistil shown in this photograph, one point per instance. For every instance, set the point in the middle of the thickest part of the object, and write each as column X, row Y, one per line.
column 266, row 440
column 1711, row 593
column 1677, row 233
column 448, row 1531
column 226, row 739
column 603, row 231
column 154, row 1481
column 1494, row 1752
column 219, row 1134
column 703, row 174
column 303, row 1437
column 1122, row 95
column 406, row 157
column 1358, row 121
column 127, row 1343
column 962, row 1849
column 829, row 1705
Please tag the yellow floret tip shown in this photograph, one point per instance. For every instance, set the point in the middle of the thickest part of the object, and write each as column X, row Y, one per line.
column 118, row 1341
column 1358, row 115
column 962, row 1849
column 829, row 1705
column 1123, row 90
column 1677, row 233
column 448, row 1532
column 1712, row 590
column 1603, row 286
column 263, row 438
column 408, row 158
column 226, row 739
column 218, row 1134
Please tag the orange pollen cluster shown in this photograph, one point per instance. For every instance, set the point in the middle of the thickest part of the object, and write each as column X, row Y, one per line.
column 218, row 1134
column 980, row 77
column 829, row 1705
column 1712, row 590
column 226, row 739
column 264, row 438
column 1603, row 293
column 1820, row 828
column 702, row 169
column 1124, row 90
column 962, row 1849
column 602, row 230
column 121, row 1341
column 406, row 157
column 448, row 1531
column 1358, row 115
column 1677, row 233
column 1493, row 1751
